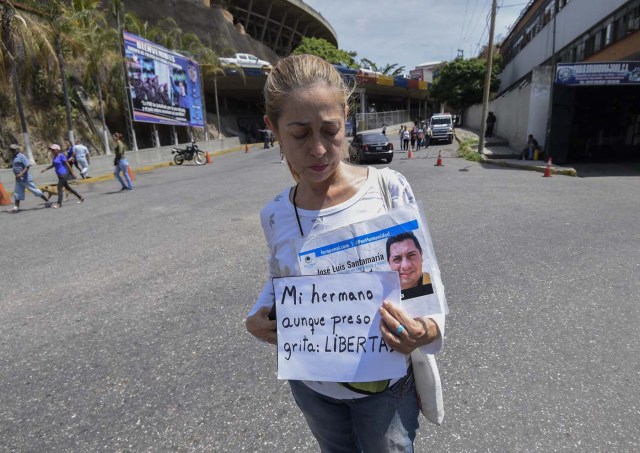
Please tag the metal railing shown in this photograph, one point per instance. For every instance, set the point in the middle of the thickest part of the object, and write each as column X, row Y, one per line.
column 375, row 120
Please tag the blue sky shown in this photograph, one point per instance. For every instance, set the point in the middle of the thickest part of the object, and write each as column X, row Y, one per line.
column 410, row 32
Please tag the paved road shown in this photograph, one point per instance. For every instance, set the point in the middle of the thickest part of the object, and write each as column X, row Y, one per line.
column 121, row 319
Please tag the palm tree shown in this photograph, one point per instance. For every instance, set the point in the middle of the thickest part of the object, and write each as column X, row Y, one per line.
column 62, row 29
column 210, row 67
column 35, row 47
column 97, row 40
column 392, row 69
column 370, row 64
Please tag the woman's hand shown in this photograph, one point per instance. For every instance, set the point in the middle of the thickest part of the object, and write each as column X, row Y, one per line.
column 416, row 332
column 259, row 325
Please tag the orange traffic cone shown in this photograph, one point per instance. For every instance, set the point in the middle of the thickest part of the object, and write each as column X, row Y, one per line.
column 246, row 148
column 439, row 161
column 209, row 160
column 547, row 171
column 4, row 198
column 130, row 171
column 410, row 155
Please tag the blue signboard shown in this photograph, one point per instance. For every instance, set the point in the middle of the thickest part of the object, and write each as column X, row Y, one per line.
column 164, row 85
column 611, row 73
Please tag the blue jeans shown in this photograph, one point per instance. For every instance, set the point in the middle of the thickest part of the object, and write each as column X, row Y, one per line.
column 385, row 422
column 18, row 191
column 121, row 167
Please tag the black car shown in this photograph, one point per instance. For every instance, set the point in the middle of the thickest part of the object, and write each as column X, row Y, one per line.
column 370, row 145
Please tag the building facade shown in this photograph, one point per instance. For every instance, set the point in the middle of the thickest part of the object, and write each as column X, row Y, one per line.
column 579, row 118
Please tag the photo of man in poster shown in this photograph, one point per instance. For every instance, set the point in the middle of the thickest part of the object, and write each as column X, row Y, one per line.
column 404, row 255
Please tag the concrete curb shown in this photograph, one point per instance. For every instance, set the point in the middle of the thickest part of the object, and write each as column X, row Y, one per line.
column 530, row 167
column 521, row 166
column 149, row 168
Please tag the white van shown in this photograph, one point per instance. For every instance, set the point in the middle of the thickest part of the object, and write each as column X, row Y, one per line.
column 441, row 126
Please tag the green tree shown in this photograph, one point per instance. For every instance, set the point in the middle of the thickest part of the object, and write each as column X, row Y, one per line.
column 392, row 69
column 63, row 37
column 89, row 27
column 460, row 83
column 365, row 62
column 34, row 50
column 388, row 69
column 324, row 49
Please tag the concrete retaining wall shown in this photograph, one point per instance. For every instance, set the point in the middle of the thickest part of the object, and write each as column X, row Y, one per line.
column 512, row 112
column 103, row 165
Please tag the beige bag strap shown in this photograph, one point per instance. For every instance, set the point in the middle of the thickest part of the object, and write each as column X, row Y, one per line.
column 384, row 190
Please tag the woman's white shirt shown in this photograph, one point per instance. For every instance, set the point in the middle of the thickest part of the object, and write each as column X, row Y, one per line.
column 281, row 231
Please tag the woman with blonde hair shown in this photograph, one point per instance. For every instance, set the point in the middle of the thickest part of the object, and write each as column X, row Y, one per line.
column 306, row 108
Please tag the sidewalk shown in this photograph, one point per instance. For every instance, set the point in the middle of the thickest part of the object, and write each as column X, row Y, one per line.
column 498, row 152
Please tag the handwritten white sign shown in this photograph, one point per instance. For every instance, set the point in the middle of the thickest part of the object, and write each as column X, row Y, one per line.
column 329, row 327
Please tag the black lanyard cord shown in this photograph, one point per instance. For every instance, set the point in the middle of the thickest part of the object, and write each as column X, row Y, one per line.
column 295, row 207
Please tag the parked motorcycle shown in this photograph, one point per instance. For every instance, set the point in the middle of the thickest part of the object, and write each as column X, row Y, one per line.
column 191, row 152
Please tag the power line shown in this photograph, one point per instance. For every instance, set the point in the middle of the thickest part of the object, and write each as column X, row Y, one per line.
column 472, row 28
column 486, row 26
column 468, row 29
column 464, row 19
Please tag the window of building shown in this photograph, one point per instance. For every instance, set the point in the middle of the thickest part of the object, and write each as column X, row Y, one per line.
column 580, row 52
column 619, row 28
column 597, row 41
column 590, row 46
column 633, row 20
column 608, row 34
column 548, row 13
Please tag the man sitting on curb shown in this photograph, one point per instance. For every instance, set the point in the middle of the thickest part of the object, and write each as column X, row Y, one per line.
column 528, row 152
column 24, row 180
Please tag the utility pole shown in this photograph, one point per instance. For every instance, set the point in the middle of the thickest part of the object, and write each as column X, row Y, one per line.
column 215, row 92
column 487, row 79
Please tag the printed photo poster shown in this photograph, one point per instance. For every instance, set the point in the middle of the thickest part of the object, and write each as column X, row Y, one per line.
column 329, row 327
column 397, row 240
column 164, row 85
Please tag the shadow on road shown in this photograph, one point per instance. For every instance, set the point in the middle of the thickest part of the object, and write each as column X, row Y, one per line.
column 607, row 169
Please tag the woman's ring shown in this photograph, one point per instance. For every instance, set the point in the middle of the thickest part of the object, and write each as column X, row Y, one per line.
column 400, row 329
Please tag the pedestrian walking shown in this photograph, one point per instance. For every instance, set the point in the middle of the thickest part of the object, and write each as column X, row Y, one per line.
column 306, row 96
column 405, row 139
column 24, row 180
column 427, row 135
column 81, row 153
column 71, row 158
column 63, row 171
column 420, row 139
column 414, row 136
column 121, row 164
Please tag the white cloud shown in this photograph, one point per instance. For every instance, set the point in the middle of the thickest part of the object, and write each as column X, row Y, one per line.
column 410, row 32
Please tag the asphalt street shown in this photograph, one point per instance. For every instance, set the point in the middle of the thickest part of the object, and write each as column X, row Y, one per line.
column 121, row 319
